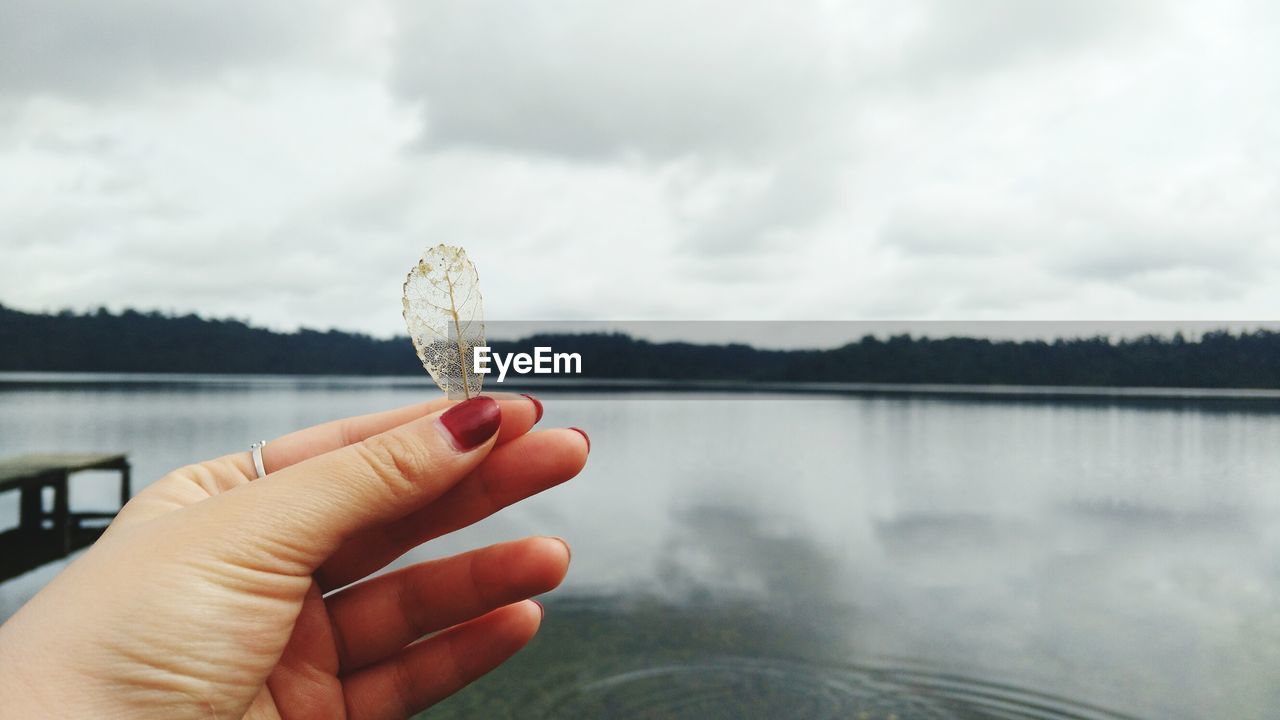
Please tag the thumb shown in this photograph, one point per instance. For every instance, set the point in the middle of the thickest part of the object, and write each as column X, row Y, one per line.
column 302, row 513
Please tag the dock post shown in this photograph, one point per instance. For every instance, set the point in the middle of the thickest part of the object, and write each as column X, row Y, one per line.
column 126, row 482
column 31, row 512
column 62, row 512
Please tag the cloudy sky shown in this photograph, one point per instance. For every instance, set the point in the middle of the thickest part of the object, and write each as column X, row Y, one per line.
column 672, row 159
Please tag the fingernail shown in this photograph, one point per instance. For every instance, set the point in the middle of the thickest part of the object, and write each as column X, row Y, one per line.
column 584, row 436
column 536, row 404
column 541, row 610
column 471, row 422
column 568, row 550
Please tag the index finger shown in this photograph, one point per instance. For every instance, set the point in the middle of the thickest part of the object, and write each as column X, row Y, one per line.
column 519, row 413
column 291, row 520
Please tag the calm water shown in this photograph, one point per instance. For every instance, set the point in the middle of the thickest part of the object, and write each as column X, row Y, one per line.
column 810, row 556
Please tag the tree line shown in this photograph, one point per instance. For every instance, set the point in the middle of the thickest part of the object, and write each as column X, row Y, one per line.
column 132, row 341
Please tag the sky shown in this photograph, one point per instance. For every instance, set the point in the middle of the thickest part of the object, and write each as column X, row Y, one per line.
column 667, row 160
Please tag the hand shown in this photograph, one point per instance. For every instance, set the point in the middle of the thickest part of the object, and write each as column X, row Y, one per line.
column 205, row 597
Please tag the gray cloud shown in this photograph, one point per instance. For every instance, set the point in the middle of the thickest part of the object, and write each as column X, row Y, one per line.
column 992, row 36
column 581, row 79
column 82, row 48
column 777, row 91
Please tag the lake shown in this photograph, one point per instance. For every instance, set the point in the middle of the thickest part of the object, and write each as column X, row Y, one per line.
column 822, row 555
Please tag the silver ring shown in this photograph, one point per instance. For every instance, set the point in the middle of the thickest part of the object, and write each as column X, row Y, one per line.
column 256, row 449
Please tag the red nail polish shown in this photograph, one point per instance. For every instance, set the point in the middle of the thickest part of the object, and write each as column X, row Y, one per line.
column 536, row 404
column 584, row 436
column 471, row 422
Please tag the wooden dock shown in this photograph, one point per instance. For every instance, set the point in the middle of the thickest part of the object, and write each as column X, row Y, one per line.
column 47, row 529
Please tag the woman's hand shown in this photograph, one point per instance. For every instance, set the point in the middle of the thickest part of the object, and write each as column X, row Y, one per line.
column 206, row 597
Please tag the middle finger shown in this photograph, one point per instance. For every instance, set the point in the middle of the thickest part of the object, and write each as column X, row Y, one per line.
column 377, row 618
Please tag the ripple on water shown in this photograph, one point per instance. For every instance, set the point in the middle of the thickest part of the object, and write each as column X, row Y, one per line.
column 732, row 687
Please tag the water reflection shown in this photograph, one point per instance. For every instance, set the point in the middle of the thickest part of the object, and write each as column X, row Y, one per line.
column 752, row 623
column 718, row 551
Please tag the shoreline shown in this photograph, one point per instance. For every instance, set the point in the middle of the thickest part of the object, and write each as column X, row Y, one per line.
column 52, row 380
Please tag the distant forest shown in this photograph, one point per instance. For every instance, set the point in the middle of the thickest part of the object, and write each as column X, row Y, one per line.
column 152, row 342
